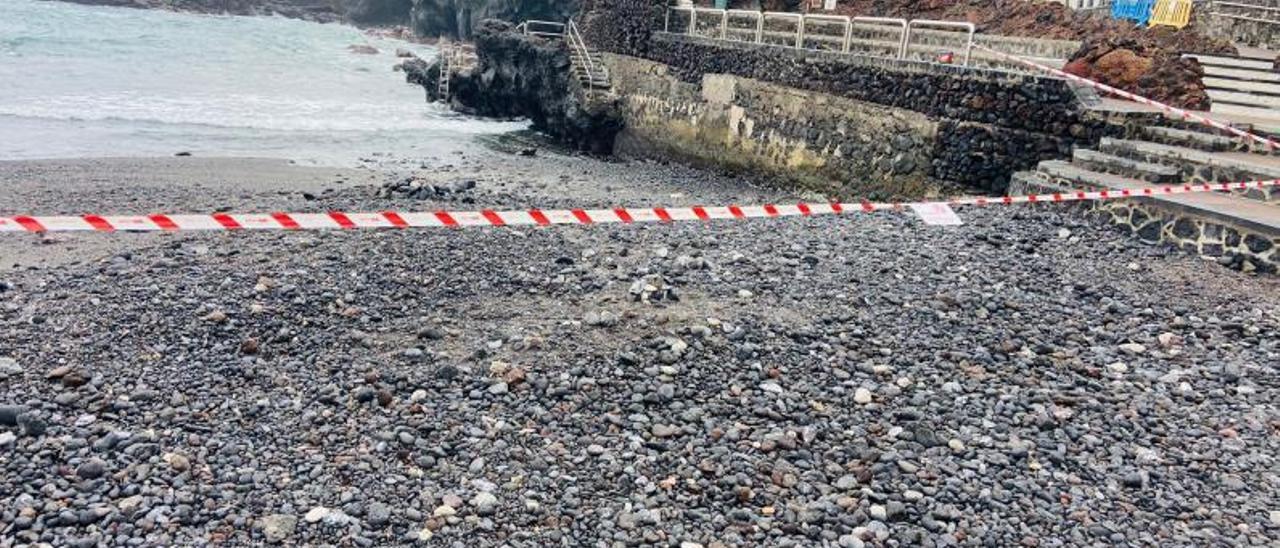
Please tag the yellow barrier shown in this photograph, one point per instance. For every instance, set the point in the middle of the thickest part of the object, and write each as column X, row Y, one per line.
column 1175, row 13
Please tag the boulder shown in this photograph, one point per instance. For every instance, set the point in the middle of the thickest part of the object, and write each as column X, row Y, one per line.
column 364, row 49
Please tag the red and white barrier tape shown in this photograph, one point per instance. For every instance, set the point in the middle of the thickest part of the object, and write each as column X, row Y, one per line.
column 537, row 217
column 1167, row 109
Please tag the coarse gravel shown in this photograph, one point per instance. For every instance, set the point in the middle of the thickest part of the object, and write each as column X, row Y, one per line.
column 1030, row 378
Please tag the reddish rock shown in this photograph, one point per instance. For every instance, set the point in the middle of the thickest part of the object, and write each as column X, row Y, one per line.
column 514, row 376
column 1122, row 67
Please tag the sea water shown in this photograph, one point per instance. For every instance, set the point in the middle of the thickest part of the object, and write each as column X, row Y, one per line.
column 82, row 81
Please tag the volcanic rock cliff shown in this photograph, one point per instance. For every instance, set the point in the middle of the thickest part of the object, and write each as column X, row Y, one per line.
column 527, row 77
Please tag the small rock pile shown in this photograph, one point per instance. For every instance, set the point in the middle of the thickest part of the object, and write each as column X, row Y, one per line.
column 412, row 187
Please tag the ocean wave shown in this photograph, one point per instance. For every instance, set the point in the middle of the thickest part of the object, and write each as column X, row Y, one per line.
column 248, row 113
column 212, row 84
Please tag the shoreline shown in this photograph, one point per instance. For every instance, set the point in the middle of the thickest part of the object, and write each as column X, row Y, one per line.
column 198, row 184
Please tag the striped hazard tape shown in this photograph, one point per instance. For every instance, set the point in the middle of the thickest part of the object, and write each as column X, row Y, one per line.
column 1167, row 109
column 542, row 217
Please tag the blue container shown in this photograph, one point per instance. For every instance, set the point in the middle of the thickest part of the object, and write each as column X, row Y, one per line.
column 722, row 4
column 1138, row 11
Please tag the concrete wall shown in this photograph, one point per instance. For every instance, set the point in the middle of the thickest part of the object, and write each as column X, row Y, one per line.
column 867, row 126
column 816, row 141
column 1228, row 240
column 991, row 123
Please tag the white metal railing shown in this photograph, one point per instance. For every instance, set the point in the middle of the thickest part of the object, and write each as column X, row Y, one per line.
column 886, row 21
column 754, row 30
column 843, row 22
column 534, row 27
column 796, row 29
column 786, row 18
column 1246, row 11
column 933, row 23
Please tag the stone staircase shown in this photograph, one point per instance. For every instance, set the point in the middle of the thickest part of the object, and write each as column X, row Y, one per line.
column 1244, row 85
column 1240, row 229
column 594, row 75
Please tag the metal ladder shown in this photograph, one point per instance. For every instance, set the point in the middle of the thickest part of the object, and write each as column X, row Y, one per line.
column 442, row 87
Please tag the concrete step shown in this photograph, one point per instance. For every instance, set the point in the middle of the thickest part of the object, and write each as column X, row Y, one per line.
column 1148, row 151
column 1246, row 99
column 1124, row 167
column 1245, row 110
column 1197, row 127
column 1247, row 86
column 1226, row 209
column 598, row 68
column 1198, row 166
column 1189, row 138
column 1241, row 74
column 1230, row 62
column 1249, row 52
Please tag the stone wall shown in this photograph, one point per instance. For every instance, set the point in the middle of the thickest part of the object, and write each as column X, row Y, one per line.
column 1226, row 241
column 1250, row 33
column 815, row 141
column 991, row 123
column 1011, row 100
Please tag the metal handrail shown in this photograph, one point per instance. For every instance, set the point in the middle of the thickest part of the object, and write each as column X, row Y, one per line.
column 844, row 38
column 1240, row 10
column 693, row 19
column 1246, row 6
column 968, row 49
column 904, row 42
column 759, row 18
column 666, row 19
column 902, row 36
column 1246, row 18
column 574, row 38
column 526, row 28
column 799, row 17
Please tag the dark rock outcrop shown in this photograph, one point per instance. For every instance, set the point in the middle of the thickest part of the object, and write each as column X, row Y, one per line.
column 621, row 26
column 378, row 12
column 527, row 77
